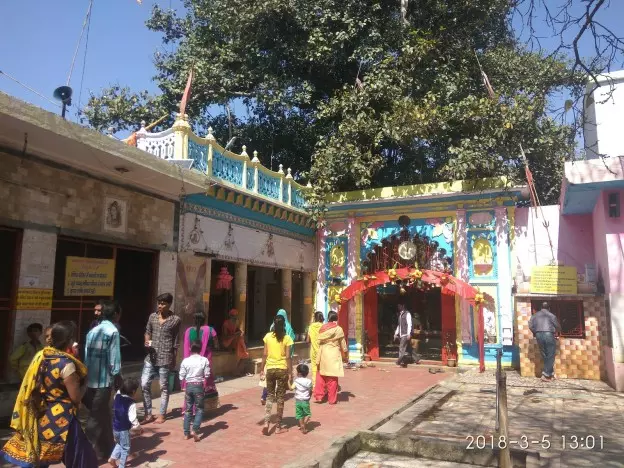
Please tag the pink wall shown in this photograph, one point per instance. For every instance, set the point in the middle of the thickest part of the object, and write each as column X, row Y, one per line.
column 572, row 237
column 609, row 244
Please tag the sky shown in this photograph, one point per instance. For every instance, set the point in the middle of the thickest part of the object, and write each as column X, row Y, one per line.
column 38, row 40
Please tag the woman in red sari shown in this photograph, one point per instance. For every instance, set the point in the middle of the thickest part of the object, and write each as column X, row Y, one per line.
column 331, row 354
column 232, row 337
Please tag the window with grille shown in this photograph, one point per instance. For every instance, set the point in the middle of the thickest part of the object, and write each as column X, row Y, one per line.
column 569, row 313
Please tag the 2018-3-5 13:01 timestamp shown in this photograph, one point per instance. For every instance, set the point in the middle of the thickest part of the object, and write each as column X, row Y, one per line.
column 544, row 442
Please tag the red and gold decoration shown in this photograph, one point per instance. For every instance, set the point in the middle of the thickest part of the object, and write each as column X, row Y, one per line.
column 425, row 280
column 224, row 279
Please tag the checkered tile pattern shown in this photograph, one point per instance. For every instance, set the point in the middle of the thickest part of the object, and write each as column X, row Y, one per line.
column 576, row 358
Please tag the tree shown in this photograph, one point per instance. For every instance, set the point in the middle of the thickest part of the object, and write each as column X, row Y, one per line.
column 353, row 94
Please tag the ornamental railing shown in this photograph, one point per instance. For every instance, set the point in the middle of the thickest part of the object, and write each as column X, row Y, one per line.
column 236, row 171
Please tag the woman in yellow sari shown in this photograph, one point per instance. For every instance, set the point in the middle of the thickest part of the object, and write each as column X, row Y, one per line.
column 47, row 431
column 313, row 339
column 332, row 353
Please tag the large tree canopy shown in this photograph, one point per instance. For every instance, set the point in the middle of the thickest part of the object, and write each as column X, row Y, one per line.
column 361, row 93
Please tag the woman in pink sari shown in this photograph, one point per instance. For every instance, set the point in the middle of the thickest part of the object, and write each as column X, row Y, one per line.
column 208, row 337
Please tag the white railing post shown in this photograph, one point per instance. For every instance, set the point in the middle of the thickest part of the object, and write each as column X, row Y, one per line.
column 255, row 161
column 246, row 156
column 211, row 139
column 281, row 188
column 289, row 179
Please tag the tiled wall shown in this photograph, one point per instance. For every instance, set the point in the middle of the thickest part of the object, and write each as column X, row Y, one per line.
column 575, row 358
column 36, row 193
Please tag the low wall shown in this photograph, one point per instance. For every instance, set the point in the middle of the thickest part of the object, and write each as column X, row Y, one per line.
column 576, row 358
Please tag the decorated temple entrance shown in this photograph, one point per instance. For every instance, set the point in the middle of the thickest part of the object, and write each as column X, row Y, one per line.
column 425, row 308
column 433, row 313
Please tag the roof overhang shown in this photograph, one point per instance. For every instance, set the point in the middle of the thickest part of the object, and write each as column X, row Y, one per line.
column 31, row 132
column 585, row 180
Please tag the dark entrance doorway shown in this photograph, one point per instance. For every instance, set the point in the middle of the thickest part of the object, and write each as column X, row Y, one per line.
column 425, row 307
column 135, row 289
column 9, row 260
column 221, row 300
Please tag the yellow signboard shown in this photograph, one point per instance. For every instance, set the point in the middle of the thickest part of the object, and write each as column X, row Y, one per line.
column 553, row 280
column 89, row 276
column 34, row 299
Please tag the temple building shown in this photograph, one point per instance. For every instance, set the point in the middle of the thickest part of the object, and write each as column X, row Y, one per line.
column 88, row 217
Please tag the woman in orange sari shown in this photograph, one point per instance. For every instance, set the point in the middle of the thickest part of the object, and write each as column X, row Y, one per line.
column 232, row 337
column 331, row 354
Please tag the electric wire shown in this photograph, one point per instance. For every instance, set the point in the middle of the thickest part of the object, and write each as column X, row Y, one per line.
column 29, row 88
column 84, row 63
column 84, row 26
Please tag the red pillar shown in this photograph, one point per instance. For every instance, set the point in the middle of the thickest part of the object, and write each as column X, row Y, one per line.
column 481, row 339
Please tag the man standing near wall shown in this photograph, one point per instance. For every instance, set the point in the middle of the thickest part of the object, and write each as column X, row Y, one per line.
column 161, row 340
column 404, row 334
column 544, row 326
column 103, row 360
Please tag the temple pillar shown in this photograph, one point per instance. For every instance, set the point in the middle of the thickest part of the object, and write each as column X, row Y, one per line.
column 463, row 321
column 505, row 300
column 287, row 292
column 355, row 331
column 320, row 293
column 308, row 310
column 240, row 294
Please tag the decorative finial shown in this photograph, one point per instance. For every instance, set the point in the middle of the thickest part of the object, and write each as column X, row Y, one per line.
column 255, row 158
column 281, row 169
column 111, row 132
column 210, row 136
column 143, row 124
column 244, row 153
column 289, row 175
column 309, row 185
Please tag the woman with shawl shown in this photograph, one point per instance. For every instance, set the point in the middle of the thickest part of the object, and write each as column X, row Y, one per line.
column 208, row 337
column 290, row 332
column 313, row 334
column 47, row 430
column 332, row 353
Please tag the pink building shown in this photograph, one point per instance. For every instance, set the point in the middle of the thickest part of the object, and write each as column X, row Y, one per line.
column 584, row 231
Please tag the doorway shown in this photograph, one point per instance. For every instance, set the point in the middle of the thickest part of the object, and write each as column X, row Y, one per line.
column 10, row 240
column 135, row 290
column 426, row 310
column 221, row 300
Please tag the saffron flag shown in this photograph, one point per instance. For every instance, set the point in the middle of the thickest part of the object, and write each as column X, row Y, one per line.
column 187, row 93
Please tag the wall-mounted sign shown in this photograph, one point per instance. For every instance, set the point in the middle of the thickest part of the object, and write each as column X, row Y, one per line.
column 89, row 276
column 554, row 280
column 34, row 299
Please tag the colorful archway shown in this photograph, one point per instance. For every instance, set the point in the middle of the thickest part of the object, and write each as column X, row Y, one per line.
column 414, row 276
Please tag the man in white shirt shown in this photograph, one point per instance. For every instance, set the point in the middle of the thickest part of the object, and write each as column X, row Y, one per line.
column 404, row 334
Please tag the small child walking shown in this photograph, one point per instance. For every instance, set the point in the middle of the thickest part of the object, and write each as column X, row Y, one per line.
column 195, row 370
column 125, row 421
column 303, row 391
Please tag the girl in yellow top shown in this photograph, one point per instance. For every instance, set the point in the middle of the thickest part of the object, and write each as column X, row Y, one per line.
column 313, row 339
column 277, row 362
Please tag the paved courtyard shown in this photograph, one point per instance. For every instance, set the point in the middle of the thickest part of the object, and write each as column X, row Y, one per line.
column 232, row 435
column 541, row 416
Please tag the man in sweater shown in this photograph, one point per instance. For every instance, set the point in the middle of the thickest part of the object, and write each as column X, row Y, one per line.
column 403, row 333
column 545, row 328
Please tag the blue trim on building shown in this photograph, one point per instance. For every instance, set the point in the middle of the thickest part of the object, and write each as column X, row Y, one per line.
column 246, row 213
column 470, row 353
column 582, row 198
